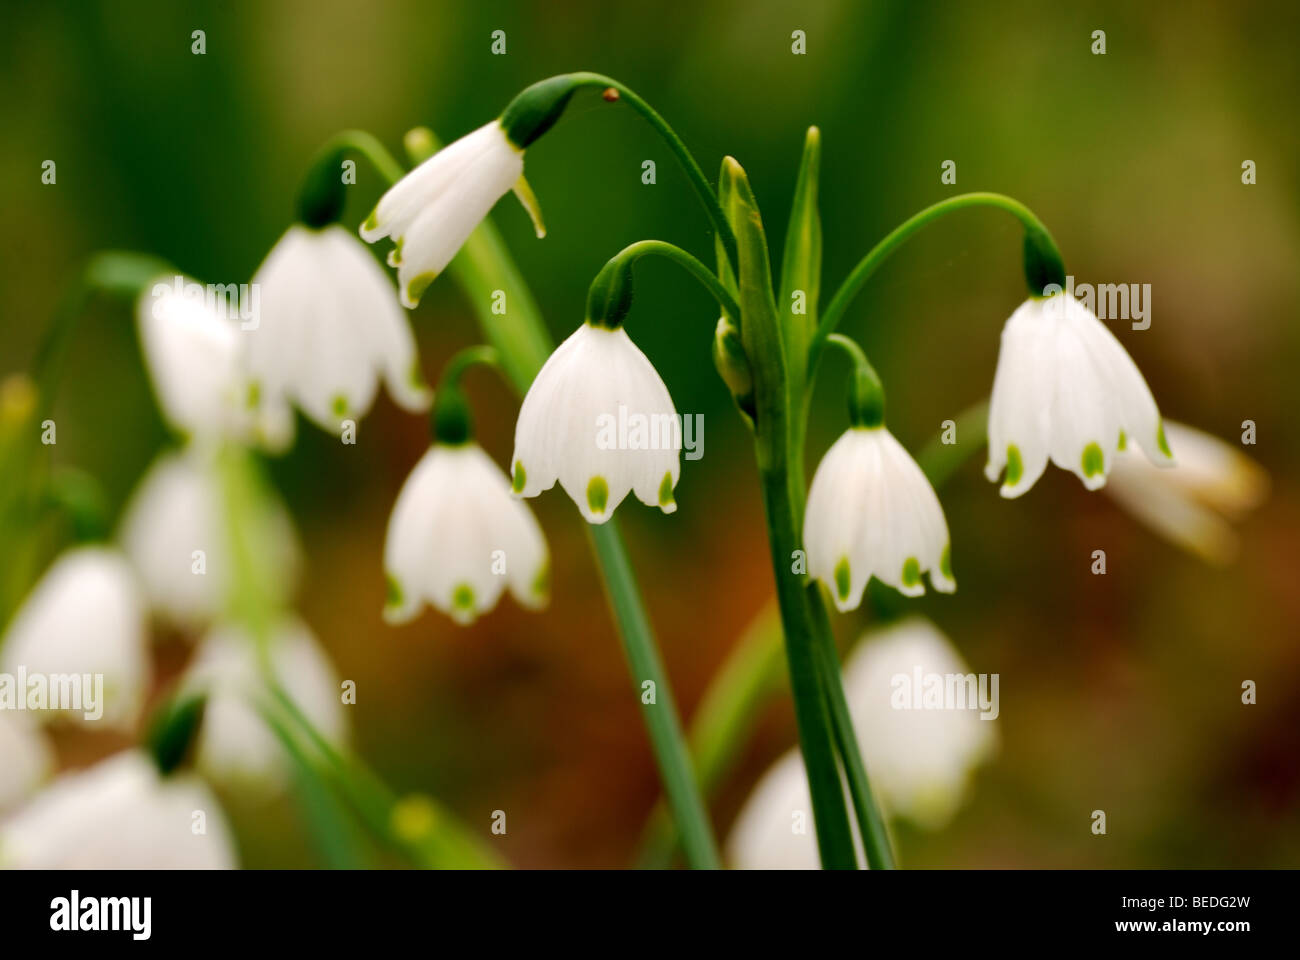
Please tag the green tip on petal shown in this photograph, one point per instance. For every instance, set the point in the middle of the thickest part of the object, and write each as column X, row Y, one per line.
column 254, row 395
column 541, row 585
column 520, row 477
column 1094, row 461
column 415, row 289
column 666, row 491
column 911, row 572
column 1015, row 466
column 462, row 598
column 1161, row 442
column 945, row 562
column 394, row 597
column 1123, row 441
column 597, row 494
column 340, row 406
column 843, row 578
column 395, row 255
column 372, row 221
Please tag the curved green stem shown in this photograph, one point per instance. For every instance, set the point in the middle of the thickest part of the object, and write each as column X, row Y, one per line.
column 866, row 393
column 540, row 105
column 1041, row 254
column 320, row 200
column 611, row 291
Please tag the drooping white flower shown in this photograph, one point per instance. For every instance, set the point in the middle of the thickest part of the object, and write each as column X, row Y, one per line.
column 1066, row 390
column 919, row 751
column 431, row 211
column 176, row 531
column 119, row 814
column 872, row 512
column 329, row 328
column 457, row 539
column 235, row 746
column 919, row 759
column 1181, row 504
column 775, row 829
column 25, row 757
column 193, row 352
column 599, row 419
column 84, row 617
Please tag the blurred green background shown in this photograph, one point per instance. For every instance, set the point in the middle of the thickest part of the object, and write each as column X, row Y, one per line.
column 1119, row 692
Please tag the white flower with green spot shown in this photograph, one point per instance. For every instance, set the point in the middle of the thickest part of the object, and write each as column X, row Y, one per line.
column 871, row 512
column 328, row 329
column 1066, row 390
column 457, row 539
column 599, row 419
column 430, row 213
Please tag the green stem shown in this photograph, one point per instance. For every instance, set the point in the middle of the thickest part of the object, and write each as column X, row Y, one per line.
column 684, row 796
column 321, row 198
column 1037, row 237
column 875, row 837
column 557, row 90
column 611, row 291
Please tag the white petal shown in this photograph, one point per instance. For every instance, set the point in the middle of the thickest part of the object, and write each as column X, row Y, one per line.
column 1020, row 406
column 919, row 760
column 25, row 757
column 456, row 538
column 599, row 418
column 235, row 745
column 118, row 814
column 1085, row 418
column 193, row 354
column 85, row 616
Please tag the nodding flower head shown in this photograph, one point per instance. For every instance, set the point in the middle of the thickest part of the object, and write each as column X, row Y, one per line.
column 599, row 419
column 1066, row 390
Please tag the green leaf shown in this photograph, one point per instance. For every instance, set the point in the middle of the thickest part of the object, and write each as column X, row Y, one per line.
column 801, row 263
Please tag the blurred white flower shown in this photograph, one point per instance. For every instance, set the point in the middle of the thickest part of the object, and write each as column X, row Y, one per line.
column 1180, row 504
column 85, row 616
column 178, row 509
column 431, row 211
column 234, row 745
column 329, row 328
column 775, row 829
column 457, row 539
column 119, row 814
column 919, row 761
column 872, row 512
column 1066, row 389
column 193, row 352
column 26, row 757
column 599, row 419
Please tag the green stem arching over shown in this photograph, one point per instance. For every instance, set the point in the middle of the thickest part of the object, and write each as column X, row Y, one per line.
column 537, row 108
column 866, row 394
column 321, row 196
column 451, row 421
column 610, row 295
column 1043, row 262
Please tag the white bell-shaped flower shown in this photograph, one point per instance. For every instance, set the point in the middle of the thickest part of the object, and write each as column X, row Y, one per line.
column 599, row 419
column 457, row 539
column 1066, row 390
column 919, row 749
column 193, row 353
column 872, row 512
column 176, row 531
column 235, row 745
column 430, row 213
column 1193, row 504
column 119, row 814
column 84, row 619
column 919, row 718
column 328, row 329
column 25, row 757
